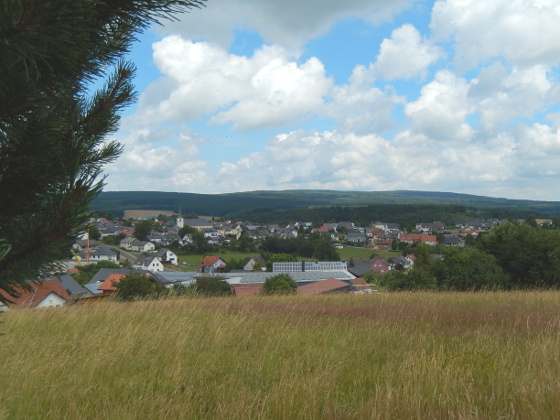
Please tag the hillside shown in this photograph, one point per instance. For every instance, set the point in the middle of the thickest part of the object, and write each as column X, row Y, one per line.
column 219, row 205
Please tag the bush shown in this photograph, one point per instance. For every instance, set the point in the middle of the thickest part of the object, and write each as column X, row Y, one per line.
column 212, row 286
column 137, row 286
column 281, row 284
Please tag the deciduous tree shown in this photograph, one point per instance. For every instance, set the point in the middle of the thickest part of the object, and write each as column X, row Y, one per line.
column 281, row 284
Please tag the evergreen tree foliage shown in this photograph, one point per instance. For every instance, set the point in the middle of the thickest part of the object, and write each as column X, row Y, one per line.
column 53, row 129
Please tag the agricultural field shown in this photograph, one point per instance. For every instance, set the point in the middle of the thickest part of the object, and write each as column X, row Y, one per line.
column 379, row 356
column 349, row 252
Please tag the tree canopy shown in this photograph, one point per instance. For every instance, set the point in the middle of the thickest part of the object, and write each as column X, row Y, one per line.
column 54, row 124
column 281, row 284
column 137, row 286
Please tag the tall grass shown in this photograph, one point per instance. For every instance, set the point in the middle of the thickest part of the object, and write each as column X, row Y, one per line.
column 382, row 356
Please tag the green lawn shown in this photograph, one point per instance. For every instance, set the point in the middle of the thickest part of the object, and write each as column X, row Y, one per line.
column 364, row 253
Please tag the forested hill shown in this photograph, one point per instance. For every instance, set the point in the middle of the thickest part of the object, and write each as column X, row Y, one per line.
column 284, row 203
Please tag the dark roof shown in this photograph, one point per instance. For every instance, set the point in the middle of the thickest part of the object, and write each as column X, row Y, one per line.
column 103, row 273
column 71, row 286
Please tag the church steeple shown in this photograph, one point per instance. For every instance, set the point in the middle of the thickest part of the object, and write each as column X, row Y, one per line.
column 180, row 220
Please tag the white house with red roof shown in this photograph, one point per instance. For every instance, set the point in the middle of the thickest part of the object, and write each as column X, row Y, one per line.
column 211, row 264
column 42, row 294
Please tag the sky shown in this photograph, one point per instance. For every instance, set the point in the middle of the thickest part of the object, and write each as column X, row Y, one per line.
column 360, row 95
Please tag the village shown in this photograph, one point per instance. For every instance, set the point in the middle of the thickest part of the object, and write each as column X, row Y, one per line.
column 157, row 256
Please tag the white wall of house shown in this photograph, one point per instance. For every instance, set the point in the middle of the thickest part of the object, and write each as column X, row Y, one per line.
column 51, row 300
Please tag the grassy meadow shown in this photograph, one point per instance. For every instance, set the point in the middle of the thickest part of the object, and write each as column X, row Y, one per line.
column 380, row 356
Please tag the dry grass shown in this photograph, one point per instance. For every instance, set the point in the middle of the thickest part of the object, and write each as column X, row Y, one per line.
column 383, row 356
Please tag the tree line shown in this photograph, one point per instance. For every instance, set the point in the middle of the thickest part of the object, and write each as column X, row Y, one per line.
column 511, row 256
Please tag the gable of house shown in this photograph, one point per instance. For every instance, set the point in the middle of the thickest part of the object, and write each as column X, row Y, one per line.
column 42, row 294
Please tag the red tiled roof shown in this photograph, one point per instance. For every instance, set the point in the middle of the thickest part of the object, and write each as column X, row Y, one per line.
column 108, row 286
column 243, row 290
column 323, row 286
column 360, row 284
column 38, row 292
column 209, row 260
column 417, row 237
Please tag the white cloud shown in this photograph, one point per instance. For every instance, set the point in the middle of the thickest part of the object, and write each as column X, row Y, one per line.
column 523, row 32
column 360, row 107
column 289, row 23
column 494, row 130
column 269, row 88
column 521, row 93
column 405, row 55
column 279, row 92
column 442, row 108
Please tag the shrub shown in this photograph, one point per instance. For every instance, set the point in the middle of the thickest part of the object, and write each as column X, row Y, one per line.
column 281, row 284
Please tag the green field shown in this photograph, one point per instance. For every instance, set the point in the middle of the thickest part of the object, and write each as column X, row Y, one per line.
column 364, row 253
column 380, row 356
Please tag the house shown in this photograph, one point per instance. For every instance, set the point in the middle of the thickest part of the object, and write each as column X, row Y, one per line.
column 346, row 225
column 382, row 240
column 41, row 294
column 453, row 241
column 255, row 261
column 198, row 223
column 148, row 262
column 417, row 238
column 71, row 286
column 323, row 229
column 102, row 275
column 211, row 264
column 108, row 286
column 430, row 228
column 168, row 256
column 389, row 228
column 133, row 244
column 355, row 237
column 401, row 262
column 379, row 265
column 81, row 245
column 103, row 253
column 360, row 266
column 126, row 243
column 141, row 246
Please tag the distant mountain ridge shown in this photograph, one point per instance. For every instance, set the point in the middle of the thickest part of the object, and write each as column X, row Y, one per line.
column 220, row 205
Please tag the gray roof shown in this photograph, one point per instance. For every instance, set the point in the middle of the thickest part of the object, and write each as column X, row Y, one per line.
column 197, row 222
column 260, row 277
column 102, row 275
column 248, row 277
column 175, row 277
column 359, row 270
column 71, row 286
column 103, row 250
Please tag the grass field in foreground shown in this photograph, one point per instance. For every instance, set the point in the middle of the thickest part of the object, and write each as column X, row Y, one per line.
column 381, row 356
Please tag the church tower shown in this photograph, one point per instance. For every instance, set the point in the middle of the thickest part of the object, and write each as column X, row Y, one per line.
column 180, row 220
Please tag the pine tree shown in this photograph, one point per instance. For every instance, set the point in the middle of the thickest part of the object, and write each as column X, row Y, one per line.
column 53, row 130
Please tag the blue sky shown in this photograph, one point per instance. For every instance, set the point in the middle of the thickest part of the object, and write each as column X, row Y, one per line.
column 368, row 95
